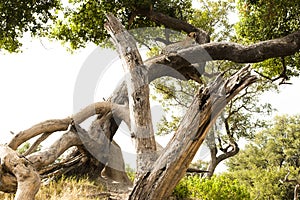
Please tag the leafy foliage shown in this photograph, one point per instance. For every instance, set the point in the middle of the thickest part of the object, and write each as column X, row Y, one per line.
column 264, row 20
column 18, row 17
column 216, row 188
column 84, row 21
column 130, row 172
column 25, row 147
column 266, row 184
column 213, row 16
column 78, row 22
column 266, row 160
column 175, row 94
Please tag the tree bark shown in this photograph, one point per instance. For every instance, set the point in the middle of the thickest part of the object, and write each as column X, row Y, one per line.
column 138, row 94
column 172, row 164
column 215, row 158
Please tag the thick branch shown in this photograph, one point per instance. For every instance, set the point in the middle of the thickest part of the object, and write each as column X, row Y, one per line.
column 176, row 24
column 195, row 170
column 280, row 47
column 181, row 61
column 49, row 155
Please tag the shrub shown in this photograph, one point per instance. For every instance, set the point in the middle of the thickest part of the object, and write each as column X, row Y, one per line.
column 216, row 188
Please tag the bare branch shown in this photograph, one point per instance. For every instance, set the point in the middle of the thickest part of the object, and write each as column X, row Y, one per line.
column 37, row 143
column 54, row 125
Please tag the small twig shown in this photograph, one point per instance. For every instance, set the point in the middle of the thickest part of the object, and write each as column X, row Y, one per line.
column 36, row 143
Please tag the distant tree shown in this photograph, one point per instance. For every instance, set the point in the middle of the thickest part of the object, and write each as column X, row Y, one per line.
column 266, row 161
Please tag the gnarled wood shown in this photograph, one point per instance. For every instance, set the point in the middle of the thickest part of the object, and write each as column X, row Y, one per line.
column 49, row 155
column 54, row 125
column 28, row 179
column 171, row 165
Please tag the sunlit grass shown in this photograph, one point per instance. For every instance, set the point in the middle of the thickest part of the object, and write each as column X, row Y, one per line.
column 66, row 189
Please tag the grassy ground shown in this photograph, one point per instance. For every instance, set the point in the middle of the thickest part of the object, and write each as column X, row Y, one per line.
column 67, row 189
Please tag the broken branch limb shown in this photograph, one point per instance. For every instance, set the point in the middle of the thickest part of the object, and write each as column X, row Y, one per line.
column 173, row 162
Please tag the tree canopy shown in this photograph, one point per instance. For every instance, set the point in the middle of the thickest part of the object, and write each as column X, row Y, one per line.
column 265, row 20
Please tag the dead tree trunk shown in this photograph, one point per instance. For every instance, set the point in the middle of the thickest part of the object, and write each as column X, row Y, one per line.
column 170, row 167
column 172, row 164
column 138, row 94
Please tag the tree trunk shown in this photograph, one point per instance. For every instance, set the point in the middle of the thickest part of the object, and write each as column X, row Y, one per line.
column 138, row 94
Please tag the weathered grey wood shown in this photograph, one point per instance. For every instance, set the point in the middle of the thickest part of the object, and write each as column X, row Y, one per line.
column 138, row 93
column 28, row 179
column 50, row 126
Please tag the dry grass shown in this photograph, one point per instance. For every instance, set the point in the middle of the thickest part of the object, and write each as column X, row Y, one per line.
column 67, row 189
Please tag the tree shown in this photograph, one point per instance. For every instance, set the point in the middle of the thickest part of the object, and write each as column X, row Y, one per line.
column 267, row 20
column 266, row 164
column 236, row 121
column 158, row 173
column 20, row 17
